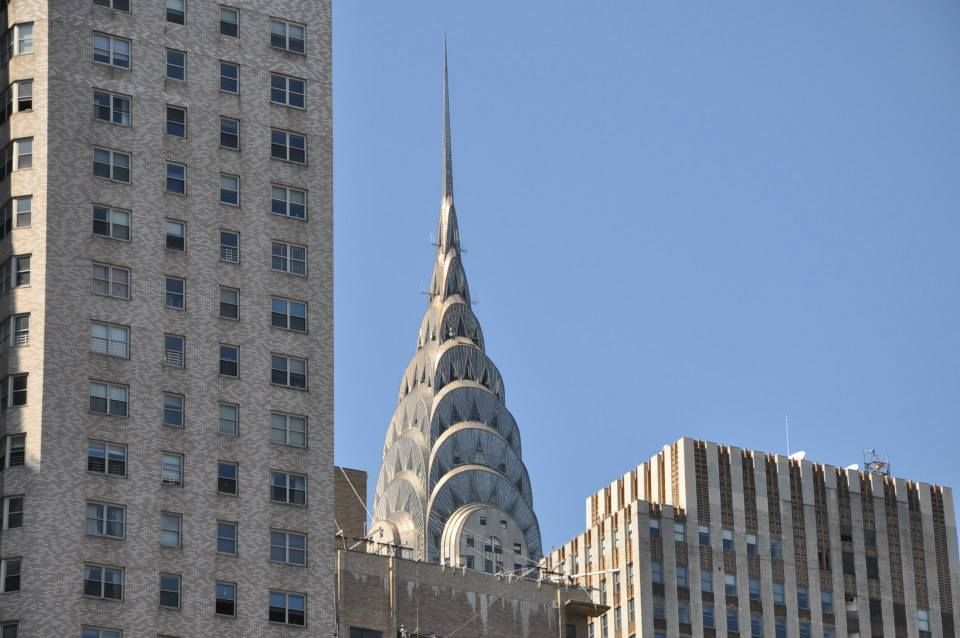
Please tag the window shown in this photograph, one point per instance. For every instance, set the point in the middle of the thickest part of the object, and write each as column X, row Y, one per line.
column 110, row 340
column 730, row 584
column 682, row 576
column 9, row 575
column 173, row 410
column 226, row 599
column 229, row 360
column 111, row 107
column 24, row 38
column 229, row 303
column 12, row 514
column 229, row 77
column 23, row 207
column 230, row 133
column 288, row 547
column 754, row 589
column 175, row 293
column 106, row 458
column 229, row 419
column 679, row 533
column 229, row 21
column 826, row 601
column 227, row 477
column 20, row 271
column 105, row 519
column 923, row 619
column 9, row 630
column 176, row 178
column 116, row 5
column 176, row 235
column 176, row 65
column 357, row 632
column 776, row 549
column 733, row 620
column 829, row 632
column 779, row 596
column 288, row 608
column 704, row 534
column 230, row 189
column 174, row 349
column 289, row 147
column 706, row 580
column 112, row 165
column 708, row 622
column 288, row 371
column 805, row 629
column 227, row 537
column 111, row 222
column 108, row 398
column 287, row 35
column 98, row 632
column 656, row 571
column 170, row 590
column 176, row 121
column 659, row 609
column 230, row 246
column 752, row 545
column 289, row 258
column 683, row 612
column 15, row 331
column 654, row 528
column 289, row 315
column 289, row 91
column 756, row 626
column 13, row 448
column 803, row 597
column 177, row 11
column 289, row 202
column 170, row 529
column 728, row 540
column 109, row 49
column 23, row 153
column 288, row 488
column 24, row 95
column 100, row 581
column 171, row 469
column 780, row 627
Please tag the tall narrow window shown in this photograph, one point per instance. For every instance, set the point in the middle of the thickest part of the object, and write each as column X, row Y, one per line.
column 230, row 21
column 172, row 469
column 173, row 410
column 176, row 178
column 175, row 292
column 229, row 303
column 226, row 599
column 229, row 77
column 176, row 121
column 9, row 575
column 229, row 419
column 24, row 95
column 12, row 513
column 177, row 11
column 170, row 590
column 230, row 246
column 176, row 65
column 23, row 209
column 227, row 538
column 229, row 360
column 227, row 474
column 230, row 133
column 230, row 189
column 176, row 235
column 170, row 529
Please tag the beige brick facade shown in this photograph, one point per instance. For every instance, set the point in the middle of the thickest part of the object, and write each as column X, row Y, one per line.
column 56, row 418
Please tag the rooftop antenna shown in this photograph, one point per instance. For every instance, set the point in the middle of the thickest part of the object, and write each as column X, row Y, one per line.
column 873, row 463
column 786, row 425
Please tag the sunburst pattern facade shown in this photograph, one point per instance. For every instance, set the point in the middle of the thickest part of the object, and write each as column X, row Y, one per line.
column 453, row 487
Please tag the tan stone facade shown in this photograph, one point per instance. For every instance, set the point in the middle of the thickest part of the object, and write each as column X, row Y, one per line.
column 382, row 594
column 713, row 540
column 67, row 364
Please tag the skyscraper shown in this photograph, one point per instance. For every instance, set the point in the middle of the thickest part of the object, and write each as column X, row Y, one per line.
column 453, row 487
column 166, row 333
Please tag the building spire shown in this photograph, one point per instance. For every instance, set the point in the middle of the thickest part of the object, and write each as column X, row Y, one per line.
column 447, row 142
column 448, row 234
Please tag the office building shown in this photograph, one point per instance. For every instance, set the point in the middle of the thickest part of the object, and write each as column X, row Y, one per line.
column 713, row 540
column 166, row 332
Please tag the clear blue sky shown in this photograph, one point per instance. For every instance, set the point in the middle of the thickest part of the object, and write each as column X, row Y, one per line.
column 681, row 219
